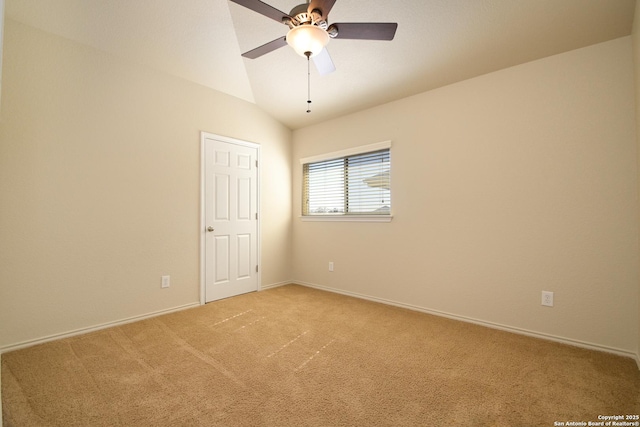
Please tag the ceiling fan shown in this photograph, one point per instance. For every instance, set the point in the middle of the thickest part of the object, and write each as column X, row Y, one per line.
column 309, row 31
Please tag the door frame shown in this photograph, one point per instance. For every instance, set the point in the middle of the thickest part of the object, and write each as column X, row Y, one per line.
column 203, row 137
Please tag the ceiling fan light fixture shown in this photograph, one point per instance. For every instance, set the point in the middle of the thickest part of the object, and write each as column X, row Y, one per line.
column 307, row 38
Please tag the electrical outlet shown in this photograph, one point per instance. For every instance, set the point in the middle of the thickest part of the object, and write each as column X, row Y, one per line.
column 547, row 298
column 166, row 281
column 331, row 266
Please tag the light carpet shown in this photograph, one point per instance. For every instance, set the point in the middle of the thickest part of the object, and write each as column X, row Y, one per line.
column 295, row 356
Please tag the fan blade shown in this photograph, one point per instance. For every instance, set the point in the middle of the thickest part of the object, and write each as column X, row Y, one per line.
column 266, row 48
column 366, row 30
column 263, row 9
column 323, row 6
column 323, row 62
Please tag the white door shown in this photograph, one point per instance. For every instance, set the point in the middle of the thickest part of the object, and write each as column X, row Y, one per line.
column 230, row 218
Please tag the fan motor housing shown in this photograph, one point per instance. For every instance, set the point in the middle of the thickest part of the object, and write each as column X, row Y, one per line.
column 300, row 15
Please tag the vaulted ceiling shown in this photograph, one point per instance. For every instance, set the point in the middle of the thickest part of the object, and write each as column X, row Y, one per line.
column 438, row 42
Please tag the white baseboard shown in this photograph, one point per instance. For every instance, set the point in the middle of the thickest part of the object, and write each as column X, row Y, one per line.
column 81, row 331
column 563, row 340
column 94, row 328
column 534, row 334
column 275, row 285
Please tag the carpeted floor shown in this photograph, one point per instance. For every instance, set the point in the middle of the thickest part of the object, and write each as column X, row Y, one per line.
column 294, row 356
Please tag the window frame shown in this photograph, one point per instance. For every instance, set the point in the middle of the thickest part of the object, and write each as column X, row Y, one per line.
column 364, row 149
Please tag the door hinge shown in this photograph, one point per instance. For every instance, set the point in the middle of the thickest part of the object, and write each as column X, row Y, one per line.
column 256, row 163
column 256, row 268
column 256, row 215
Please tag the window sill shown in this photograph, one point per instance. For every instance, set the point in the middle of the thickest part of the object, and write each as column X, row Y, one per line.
column 346, row 218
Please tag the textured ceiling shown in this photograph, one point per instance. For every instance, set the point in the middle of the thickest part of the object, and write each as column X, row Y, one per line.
column 438, row 42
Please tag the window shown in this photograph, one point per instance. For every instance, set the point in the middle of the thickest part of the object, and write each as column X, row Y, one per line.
column 350, row 183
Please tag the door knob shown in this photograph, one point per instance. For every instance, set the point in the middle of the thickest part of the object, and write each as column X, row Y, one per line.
column 210, row 229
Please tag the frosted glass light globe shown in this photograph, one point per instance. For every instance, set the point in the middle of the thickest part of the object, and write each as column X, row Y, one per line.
column 307, row 38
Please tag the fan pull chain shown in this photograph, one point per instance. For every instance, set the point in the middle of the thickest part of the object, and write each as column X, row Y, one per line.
column 308, row 55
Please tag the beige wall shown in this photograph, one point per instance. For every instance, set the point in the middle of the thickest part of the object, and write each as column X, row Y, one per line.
column 100, row 186
column 505, row 185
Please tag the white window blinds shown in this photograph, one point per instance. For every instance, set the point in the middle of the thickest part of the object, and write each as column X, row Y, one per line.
column 357, row 184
